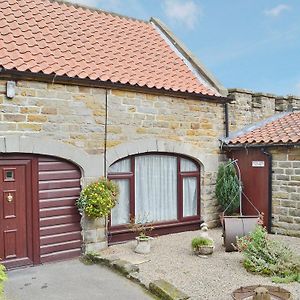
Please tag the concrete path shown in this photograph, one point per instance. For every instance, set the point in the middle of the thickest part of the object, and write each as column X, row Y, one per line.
column 70, row 280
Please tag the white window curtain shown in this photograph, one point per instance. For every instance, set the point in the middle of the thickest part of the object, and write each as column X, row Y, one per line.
column 189, row 196
column 187, row 165
column 121, row 166
column 155, row 188
column 120, row 214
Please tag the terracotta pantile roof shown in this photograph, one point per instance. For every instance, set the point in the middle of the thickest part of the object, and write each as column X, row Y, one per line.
column 58, row 38
column 282, row 130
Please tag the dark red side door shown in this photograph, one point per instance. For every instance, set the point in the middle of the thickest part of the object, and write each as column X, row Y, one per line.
column 254, row 165
column 16, row 247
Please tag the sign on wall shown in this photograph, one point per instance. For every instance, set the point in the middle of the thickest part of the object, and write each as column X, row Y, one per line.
column 258, row 163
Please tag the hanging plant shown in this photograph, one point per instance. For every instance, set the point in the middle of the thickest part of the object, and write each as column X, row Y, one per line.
column 227, row 188
column 98, row 198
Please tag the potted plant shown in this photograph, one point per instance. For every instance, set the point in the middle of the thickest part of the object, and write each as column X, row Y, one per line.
column 202, row 246
column 94, row 204
column 98, row 198
column 227, row 189
column 142, row 228
column 229, row 194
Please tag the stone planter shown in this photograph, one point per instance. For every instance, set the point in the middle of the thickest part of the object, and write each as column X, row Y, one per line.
column 204, row 250
column 93, row 234
column 274, row 293
column 143, row 245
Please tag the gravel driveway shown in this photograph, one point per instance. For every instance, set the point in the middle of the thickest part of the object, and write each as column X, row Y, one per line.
column 213, row 278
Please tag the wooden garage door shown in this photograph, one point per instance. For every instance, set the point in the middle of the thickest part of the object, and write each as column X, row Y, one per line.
column 60, row 231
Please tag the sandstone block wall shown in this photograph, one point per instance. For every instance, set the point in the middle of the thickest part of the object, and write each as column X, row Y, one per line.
column 286, row 191
column 248, row 107
column 133, row 116
column 75, row 115
column 71, row 114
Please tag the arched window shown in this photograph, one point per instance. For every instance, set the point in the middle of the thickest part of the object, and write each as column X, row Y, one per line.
column 158, row 188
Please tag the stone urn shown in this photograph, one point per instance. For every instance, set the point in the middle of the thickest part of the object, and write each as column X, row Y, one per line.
column 143, row 244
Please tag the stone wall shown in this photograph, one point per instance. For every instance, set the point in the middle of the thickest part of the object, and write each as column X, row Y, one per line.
column 70, row 114
column 286, row 191
column 74, row 115
column 248, row 107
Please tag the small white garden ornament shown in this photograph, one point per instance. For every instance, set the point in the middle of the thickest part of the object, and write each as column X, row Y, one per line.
column 204, row 231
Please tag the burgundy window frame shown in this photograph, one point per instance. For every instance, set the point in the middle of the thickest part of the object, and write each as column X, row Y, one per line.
column 180, row 177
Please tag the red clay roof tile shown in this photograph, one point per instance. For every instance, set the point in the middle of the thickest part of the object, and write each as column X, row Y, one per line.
column 283, row 130
column 57, row 38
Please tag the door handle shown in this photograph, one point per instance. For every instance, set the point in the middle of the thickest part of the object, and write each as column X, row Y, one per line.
column 9, row 198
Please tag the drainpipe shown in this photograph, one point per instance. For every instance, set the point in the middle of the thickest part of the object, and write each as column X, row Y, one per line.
column 104, row 157
column 105, row 135
column 270, row 159
column 226, row 119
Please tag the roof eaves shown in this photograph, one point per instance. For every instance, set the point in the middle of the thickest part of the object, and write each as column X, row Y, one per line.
column 251, row 127
column 190, row 57
column 259, row 145
column 14, row 74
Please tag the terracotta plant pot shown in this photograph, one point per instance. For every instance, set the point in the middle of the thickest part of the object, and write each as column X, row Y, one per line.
column 143, row 245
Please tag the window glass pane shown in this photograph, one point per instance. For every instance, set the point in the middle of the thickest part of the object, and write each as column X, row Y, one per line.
column 156, row 187
column 187, row 165
column 120, row 213
column 9, row 175
column 189, row 196
column 122, row 166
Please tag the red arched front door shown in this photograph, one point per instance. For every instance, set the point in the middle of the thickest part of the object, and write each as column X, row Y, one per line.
column 39, row 221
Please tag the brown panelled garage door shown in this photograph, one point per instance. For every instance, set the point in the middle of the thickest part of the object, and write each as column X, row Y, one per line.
column 59, row 188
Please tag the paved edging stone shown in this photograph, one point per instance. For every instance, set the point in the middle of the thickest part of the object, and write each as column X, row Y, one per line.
column 159, row 288
column 166, row 291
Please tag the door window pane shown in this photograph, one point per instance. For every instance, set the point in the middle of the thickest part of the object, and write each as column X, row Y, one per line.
column 122, row 166
column 156, row 188
column 187, row 165
column 9, row 175
column 120, row 214
column 189, row 196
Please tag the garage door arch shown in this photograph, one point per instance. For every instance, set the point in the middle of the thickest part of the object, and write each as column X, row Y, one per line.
column 90, row 165
column 52, row 221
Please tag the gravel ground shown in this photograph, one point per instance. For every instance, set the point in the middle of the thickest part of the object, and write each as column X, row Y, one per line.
column 213, row 278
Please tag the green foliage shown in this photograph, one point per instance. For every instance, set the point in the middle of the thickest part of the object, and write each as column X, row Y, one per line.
column 3, row 277
column 268, row 257
column 227, row 188
column 201, row 241
column 141, row 226
column 98, row 198
column 90, row 258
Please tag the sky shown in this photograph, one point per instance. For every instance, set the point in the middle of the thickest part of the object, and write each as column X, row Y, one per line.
column 250, row 44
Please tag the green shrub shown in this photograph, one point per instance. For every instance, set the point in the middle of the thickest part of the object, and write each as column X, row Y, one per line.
column 227, row 188
column 268, row 257
column 3, row 277
column 201, row 241
column 98, row 198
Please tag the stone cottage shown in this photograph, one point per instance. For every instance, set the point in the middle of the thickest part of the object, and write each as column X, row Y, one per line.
column 84, row 94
